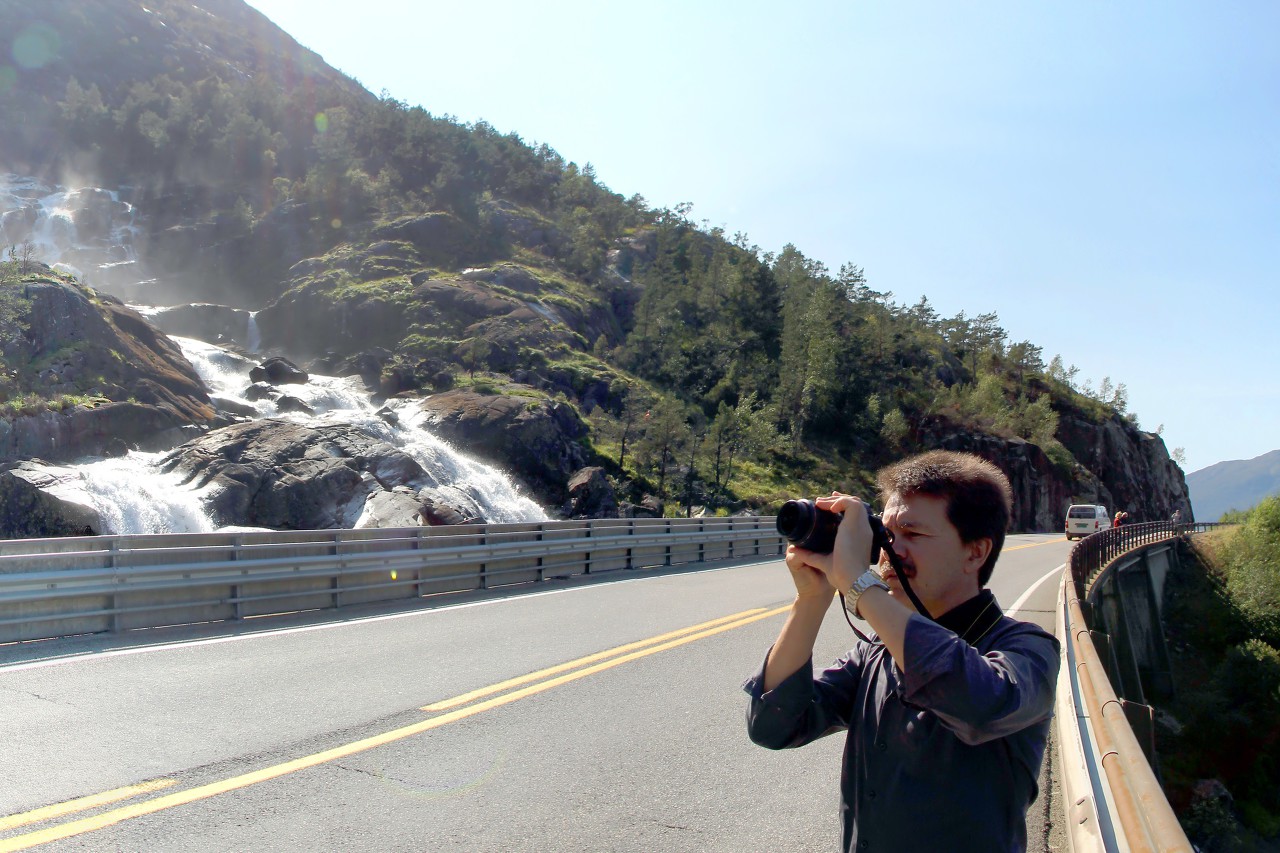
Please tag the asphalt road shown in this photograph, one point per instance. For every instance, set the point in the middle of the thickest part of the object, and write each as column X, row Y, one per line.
column 622, row 730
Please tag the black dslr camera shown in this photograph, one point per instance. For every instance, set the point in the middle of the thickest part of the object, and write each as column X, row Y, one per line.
column 805, row 525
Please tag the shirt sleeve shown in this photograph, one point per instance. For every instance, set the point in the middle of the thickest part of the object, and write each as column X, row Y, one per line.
column 802, row 709
column 980, row 696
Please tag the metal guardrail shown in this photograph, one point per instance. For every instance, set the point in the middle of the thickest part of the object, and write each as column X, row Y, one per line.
column 75, row 585
column 1142, row 820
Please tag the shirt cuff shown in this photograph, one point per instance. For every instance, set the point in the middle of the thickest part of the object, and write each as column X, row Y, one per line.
column 793, row 694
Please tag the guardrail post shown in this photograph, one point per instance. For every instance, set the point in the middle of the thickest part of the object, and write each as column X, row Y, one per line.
column 1142, row 720
column 631, row 532
column 702, row 540
column 586, row 565
column 419, row 586
column 541, row 531
column 335, row 582
column 733, row 530
column 115, row 579
column 666, row 560
column 237, row 609
column 484, row 567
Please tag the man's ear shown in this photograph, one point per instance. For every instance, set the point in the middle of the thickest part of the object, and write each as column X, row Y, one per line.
column 976, row 553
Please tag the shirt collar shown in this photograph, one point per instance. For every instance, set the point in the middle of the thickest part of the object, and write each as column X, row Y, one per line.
column 973, row 618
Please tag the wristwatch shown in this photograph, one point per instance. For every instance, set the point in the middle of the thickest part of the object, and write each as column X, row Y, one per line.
column 868, row 579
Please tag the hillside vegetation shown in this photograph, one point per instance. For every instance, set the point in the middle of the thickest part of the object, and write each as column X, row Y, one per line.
column 1223, row 626
column 711, row 372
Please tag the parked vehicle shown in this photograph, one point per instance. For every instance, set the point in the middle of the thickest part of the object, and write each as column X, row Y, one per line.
column 1085, row 520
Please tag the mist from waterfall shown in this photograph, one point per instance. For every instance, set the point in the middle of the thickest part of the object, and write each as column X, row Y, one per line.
column 90, row 233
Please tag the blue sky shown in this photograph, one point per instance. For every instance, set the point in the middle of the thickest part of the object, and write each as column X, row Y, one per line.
column 1104, row 176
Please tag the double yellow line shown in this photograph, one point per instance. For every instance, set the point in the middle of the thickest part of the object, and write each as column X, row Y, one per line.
column 457, row 708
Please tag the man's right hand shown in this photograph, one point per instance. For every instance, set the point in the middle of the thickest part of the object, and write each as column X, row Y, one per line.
column 810, row 581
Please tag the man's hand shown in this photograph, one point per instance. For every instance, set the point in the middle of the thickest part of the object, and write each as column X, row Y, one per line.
column 810, row 580
column 851, row 554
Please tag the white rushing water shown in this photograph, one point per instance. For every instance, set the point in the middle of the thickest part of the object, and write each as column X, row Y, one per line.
column 131, row 495
column 90, row 232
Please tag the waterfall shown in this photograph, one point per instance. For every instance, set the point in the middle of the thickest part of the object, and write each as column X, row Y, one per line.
column 252, row 337
column 91, row 232
column 88, row 232
column 131, row 495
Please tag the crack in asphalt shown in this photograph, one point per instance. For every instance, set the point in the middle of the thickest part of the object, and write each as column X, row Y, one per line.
column 38, row 696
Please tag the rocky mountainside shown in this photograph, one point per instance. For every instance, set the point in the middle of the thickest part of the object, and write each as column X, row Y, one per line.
column 613, row 357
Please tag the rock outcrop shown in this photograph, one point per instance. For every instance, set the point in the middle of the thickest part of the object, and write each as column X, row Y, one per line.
column 1133, row 467
column 62, row 341
column 536, row 439
column 287, row 476
column 1137, row 474
column 32, row 506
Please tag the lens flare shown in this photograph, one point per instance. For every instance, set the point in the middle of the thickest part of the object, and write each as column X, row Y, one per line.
column 36, row 46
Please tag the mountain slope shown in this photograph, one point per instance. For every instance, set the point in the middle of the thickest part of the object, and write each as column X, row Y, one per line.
column 1236, row 484
column 423, row 255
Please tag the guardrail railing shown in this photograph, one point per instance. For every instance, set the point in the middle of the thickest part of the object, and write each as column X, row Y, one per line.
column 1137, row 810
column 75, row 585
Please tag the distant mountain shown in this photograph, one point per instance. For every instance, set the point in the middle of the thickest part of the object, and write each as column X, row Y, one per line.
column 1237, row 484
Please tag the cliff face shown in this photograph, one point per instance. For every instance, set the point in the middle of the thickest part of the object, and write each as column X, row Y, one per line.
column 1136, row 473
column 1133, row 468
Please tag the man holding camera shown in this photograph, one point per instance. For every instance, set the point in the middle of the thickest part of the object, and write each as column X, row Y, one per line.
column 947, row 720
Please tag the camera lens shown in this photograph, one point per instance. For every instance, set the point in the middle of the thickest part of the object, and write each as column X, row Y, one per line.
column 804, row 524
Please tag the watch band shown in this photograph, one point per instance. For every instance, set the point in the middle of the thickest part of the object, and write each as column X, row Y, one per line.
column 866, row 581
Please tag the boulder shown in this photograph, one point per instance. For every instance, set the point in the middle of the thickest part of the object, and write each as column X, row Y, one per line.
column 279, row 371
column 33, row 506
column 289, row 403
column 285, row 476
column 591, row 495
column 447, row 506
column 281, row 475
column 537, row 440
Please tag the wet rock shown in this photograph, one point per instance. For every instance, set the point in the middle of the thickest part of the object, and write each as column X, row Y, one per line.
column 279, row 371
column 289, row 403
column 281, row 475
column 32, row 505
column 536, row 439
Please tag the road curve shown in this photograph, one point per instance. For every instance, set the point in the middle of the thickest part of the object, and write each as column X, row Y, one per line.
column 583, row 716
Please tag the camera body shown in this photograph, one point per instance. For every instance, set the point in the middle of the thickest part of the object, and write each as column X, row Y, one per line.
column 806, row 525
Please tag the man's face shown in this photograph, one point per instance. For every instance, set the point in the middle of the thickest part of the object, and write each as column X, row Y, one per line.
column 942, row 569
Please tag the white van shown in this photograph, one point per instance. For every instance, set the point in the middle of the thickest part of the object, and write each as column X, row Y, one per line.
column 1086, row 519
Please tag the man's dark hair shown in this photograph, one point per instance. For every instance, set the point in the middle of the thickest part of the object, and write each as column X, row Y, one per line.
column 979, row 499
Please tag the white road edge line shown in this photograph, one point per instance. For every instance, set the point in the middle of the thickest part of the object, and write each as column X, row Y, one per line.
column 302, row 629
column 1022, row 599
column 276, row 632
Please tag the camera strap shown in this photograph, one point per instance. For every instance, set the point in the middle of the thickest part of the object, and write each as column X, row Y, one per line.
column 881, row 542
column 881, row 537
